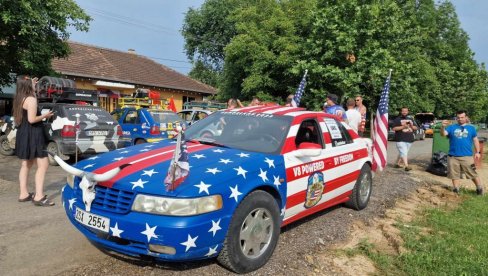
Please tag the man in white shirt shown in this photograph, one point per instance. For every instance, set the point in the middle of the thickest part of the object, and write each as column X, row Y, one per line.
column 353, row 116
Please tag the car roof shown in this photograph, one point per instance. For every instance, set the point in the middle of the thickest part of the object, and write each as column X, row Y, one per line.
column 278, row 110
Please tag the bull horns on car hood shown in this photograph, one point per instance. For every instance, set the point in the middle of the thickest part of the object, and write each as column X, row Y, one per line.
column 80, row 173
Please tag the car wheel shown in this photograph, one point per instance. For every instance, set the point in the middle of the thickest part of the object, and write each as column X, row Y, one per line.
column 362, row 189
column 52, row 147
column 140, row 141
column 207, row 134
column 253, row 233
column 5, row 148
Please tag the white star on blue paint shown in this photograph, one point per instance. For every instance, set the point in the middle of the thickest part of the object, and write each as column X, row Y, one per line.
column 118, row 158
column 198, row 156
column 202, row 187
column 88, row 166
column 150, row 173
column 225, row 161
column 270, row 162
column 283, row 211
column 241, row 171
column 213, row 171
column 243, row 154
column 116, row 231
column 71, row 202
column 125, row 151
column 212, row 251
column 215, row 227
column 93, row 158
column 144, row 150
column 138, row 183
column 276, row 181
column 190, row 242
column 218, row 150
column 234, row 193
column 262, row 174
column 149, row 232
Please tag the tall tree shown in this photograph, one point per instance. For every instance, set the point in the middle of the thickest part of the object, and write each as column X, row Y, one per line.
column 33, row 32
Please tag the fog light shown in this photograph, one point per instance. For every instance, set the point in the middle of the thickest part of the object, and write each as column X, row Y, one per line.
column 162, row 249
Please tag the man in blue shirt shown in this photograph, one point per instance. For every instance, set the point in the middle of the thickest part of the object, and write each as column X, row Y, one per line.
column 462, row 137
column 333, row 108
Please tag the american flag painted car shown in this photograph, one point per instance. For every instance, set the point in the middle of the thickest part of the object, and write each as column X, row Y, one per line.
column 258, row 169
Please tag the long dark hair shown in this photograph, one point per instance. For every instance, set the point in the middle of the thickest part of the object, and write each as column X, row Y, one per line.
column 25, row 89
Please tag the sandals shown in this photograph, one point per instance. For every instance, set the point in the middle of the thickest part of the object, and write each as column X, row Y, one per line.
column 45, row 202
column 27, row 198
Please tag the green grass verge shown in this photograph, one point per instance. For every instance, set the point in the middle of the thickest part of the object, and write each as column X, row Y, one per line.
column 456, row 243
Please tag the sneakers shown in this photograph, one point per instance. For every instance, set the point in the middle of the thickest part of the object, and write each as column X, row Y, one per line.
column 397, row 166
column 480, row 191
column 455, row 190
column 408, row 169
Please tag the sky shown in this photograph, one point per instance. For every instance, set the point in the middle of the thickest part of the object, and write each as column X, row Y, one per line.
column 152, row 27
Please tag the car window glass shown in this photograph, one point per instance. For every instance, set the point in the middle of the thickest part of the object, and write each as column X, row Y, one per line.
column 87, row 113
column 200, row 115
column 308, row 132
column 131, row 117
column 165, row 117
column 116, row 114
column 338, row 133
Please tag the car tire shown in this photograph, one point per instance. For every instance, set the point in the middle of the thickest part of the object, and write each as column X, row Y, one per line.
column 140, row 141
column 52, row 147
column 255, row 224
column 5, row 148
column 362, row 189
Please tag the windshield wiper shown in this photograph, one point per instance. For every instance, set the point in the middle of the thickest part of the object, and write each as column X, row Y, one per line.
column 208, row 141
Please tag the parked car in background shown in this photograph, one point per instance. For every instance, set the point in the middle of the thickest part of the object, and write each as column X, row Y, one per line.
column 265, row 169
column 426, row 121
column 419, row 134
column 142, row 125
column 193, row 115
column 82, row 129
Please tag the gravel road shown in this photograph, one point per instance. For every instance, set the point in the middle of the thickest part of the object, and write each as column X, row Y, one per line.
column 297, row 243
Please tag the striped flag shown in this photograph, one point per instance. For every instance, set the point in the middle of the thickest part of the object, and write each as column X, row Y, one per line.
column 380, row 138
column 179, row 167
column 299, row 93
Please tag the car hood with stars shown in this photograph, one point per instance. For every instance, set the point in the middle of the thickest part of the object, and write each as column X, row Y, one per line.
column 213, row 169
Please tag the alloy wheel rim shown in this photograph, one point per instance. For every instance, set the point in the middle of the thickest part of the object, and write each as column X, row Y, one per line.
column 256, row 233
column 365, row 187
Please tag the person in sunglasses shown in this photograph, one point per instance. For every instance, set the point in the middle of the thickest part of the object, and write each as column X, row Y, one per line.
column 363, row 110
column 462, row 136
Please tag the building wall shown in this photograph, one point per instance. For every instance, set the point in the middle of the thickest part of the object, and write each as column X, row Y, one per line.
column 111, row 103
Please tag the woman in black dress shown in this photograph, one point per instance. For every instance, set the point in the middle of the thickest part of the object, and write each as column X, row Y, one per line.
column 30, row 143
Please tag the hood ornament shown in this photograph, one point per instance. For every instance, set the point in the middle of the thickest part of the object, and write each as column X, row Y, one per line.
column 88, row 179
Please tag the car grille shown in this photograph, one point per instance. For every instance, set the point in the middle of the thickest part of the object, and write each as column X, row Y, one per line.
column 112, row 200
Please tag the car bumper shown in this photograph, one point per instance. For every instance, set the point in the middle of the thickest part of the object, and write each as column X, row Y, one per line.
column 172, row 232
column 89, row 147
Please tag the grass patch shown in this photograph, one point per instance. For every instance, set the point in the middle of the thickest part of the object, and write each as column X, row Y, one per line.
column 456, row 245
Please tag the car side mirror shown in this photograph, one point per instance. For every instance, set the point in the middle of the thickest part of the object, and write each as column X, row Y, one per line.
column 307, row 149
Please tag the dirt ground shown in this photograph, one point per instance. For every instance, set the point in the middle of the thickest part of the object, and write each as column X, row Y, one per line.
column 433, row 192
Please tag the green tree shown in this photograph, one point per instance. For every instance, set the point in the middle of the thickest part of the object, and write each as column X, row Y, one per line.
column 33, row 32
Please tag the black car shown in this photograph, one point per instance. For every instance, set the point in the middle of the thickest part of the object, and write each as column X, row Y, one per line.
column 419, row 134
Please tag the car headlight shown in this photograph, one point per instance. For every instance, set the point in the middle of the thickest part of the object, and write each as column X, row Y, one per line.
column 176, row 206
column 70, row 179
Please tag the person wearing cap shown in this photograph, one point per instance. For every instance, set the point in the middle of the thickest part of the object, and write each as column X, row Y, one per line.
column 333, row 108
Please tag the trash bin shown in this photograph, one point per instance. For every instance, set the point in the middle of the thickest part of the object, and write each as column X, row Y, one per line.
column 440, row 148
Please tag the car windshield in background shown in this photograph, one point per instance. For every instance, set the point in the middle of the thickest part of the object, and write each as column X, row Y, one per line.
column 165, row 117
column 264, row 133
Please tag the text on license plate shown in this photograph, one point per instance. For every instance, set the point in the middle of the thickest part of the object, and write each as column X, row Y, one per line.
column 93, row 221
column 96, row 132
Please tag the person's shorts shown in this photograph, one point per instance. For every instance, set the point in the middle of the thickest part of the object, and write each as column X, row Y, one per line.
column 403, row 148
column 464, row 164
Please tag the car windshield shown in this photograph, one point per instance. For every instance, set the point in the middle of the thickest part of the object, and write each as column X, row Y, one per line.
column 256, row 132
column 88, row 113
column 165, row 117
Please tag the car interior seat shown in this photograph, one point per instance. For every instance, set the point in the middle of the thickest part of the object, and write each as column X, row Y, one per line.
column 304, row 134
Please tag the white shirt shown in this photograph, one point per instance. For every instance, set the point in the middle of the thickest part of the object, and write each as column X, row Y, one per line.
column 353, row 118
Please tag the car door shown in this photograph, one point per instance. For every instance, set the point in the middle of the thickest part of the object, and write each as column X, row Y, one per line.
column 131, row 123
column 325, row 178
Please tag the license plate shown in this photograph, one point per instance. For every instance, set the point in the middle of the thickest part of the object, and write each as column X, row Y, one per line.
column 96, row 132
column 92, row 220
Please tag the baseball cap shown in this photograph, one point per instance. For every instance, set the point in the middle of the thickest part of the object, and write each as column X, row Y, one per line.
column 333, row 97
